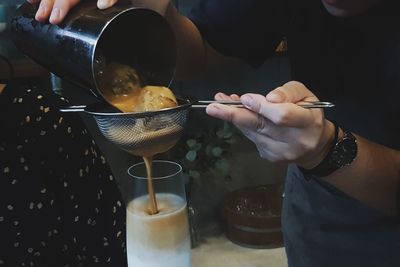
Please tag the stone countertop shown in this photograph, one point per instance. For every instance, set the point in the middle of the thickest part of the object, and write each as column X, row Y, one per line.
column 220, row 252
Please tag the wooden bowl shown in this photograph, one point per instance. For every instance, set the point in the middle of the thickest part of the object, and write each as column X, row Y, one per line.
column 252, row 216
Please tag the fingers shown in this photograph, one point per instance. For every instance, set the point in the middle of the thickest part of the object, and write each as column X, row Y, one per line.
column 238, row 116
column 44, row 10
column 53, row 10
column 222, row 96
column 241, row 118
column 103, row 4
column 282, row 114
column 269, row 147
column 60, row 10
column 248, row 122
column 235, row 97
column 56, row 10
column 260, row 113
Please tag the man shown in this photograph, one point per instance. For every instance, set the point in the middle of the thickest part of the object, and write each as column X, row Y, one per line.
column 341, row 203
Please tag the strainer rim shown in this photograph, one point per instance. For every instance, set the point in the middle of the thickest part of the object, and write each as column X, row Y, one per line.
column 186, row 103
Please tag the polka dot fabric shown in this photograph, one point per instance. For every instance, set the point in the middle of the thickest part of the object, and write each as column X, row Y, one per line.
column 59, row 203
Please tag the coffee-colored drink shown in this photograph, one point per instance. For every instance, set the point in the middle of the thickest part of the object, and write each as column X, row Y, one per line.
column 158, row 240
column 121, row 86
column 157, row 223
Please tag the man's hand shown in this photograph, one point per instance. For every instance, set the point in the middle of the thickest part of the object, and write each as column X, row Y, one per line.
column 285, row 132
column 281, row 130
column 56, row 10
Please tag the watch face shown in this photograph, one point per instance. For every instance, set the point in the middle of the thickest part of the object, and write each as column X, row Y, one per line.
column 345, row 151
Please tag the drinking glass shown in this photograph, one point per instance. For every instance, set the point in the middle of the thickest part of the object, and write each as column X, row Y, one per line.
column 161, row 239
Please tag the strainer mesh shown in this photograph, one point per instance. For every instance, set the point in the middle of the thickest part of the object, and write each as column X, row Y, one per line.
column 138, row 135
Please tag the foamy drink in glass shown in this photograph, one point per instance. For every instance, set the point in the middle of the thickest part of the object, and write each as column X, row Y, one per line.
column 158, row 239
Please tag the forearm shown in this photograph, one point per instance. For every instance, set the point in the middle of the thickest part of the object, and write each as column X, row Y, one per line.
column 195, row 55
column 373, row 177
column 287, row 133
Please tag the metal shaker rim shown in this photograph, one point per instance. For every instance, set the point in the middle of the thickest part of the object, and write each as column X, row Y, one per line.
column 164, row 81
column 141, row 37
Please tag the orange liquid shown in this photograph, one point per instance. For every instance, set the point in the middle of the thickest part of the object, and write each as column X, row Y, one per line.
column 121, row 87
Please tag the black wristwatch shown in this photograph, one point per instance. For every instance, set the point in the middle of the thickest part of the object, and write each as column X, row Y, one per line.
column 342, row 153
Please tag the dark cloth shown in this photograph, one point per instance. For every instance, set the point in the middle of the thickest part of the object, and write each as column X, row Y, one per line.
column 59, row 202
column 322, row 226
column 352, row 62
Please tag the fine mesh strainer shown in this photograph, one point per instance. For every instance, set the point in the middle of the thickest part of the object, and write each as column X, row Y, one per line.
column 141, row 134
column 150, row 133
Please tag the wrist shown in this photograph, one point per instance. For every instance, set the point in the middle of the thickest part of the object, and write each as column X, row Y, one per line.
column 342, row 153
column 164, row 8
column 160, row 6
column 329, row 138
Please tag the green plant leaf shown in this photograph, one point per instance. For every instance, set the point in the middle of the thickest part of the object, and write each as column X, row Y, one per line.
column 209, row 150
column 186, row 177
column 228, row 135
column 191, row 143
column 223, row 166
column 220, row 134
column 216, row 151
column 197, row 147
column 226, row 126
column 232, row 140
column 194, row 174
column 224, row 134
column 191, row 155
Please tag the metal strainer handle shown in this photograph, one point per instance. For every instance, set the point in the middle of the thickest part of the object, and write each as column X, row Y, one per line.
column 73, row 109
column 304, row 104
column 205, row 103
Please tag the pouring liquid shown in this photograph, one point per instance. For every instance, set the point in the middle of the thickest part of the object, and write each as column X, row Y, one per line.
column 153, row 209
column 120, row 86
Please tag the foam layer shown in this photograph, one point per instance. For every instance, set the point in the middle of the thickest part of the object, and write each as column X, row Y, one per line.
column 161, row 239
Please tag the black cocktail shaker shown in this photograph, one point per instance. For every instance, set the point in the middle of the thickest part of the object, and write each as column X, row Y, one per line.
column 79, row 48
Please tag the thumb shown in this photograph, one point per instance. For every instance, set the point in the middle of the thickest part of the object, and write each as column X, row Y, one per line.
column 283, row 114
column 276, row 96
column 103, row 4
column 258, row 104
column 291, row 92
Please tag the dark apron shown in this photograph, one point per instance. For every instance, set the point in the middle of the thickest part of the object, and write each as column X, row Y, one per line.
column 322, row 226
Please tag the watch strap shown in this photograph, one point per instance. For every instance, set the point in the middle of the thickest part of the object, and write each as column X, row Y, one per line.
column 325, row 167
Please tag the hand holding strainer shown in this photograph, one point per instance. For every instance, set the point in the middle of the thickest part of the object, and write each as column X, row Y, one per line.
column 149, row 133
